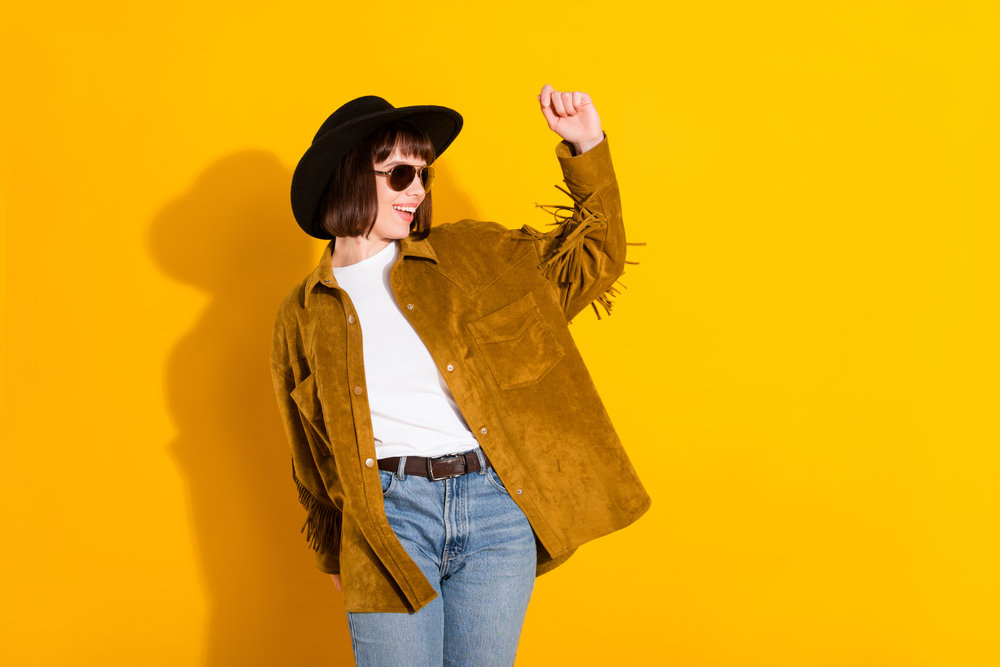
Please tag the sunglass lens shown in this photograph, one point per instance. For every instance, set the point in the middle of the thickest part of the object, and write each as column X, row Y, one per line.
column 401, row 177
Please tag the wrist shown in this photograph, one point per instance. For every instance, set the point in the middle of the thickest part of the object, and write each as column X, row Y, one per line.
column 581, row 147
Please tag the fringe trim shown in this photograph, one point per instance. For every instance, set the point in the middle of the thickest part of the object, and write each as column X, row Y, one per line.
column 573, row 224
column 322, row 526
column 606, row 300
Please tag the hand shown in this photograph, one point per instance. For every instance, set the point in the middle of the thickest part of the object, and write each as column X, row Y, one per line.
column 336, row 582
column 573, row 117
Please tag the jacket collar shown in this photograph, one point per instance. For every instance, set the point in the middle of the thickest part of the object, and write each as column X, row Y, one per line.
column 323, row 273
column 410, row 247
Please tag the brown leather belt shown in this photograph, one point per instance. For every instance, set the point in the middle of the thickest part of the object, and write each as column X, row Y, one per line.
column 436, row 468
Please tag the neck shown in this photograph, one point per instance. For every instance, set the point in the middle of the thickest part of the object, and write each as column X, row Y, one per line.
column 353, row 249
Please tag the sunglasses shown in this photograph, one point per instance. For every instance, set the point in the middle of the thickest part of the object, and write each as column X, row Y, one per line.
column 399, row 177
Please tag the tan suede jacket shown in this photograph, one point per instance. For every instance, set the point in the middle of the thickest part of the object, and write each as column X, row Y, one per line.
column 492, row 306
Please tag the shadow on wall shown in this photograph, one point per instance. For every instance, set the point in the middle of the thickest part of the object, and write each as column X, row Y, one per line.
column 233, row 236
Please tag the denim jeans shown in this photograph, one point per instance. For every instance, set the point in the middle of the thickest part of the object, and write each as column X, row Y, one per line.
column 477, row 550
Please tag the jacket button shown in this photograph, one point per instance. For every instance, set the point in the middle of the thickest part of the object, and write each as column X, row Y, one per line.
column 350, row 319
column 409, row 306
column 483, row 430
column 450, row 367
column 369, row 462
column 518, row 491
column 358, row 390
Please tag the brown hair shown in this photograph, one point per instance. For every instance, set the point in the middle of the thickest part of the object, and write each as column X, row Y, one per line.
column 351, row 204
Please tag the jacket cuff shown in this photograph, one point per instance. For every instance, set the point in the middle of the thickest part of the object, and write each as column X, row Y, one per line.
column 328, row 562
column 588, row 172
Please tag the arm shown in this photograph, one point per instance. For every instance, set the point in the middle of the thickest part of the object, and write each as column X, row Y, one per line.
column 323, row 518
column 585, row 254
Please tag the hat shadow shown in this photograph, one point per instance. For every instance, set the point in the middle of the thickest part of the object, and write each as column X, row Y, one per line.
column 232, row 235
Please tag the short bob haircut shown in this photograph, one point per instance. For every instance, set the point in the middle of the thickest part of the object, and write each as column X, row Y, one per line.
column 351, row 205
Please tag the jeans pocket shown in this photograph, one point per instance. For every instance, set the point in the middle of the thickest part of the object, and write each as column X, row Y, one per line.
column 494, row 479
column 388, row 480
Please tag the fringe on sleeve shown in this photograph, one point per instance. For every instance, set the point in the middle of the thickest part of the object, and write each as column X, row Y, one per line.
column 572, row 226
column 322, row 526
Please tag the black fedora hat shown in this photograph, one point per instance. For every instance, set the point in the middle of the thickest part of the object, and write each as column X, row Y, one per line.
column 344, row 128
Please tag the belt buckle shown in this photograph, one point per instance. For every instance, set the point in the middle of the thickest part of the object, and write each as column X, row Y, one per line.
column 442, row 459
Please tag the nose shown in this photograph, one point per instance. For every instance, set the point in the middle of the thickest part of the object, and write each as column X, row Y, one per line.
column 416, row 186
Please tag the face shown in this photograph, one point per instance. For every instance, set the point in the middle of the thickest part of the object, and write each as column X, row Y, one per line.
column 395, row 209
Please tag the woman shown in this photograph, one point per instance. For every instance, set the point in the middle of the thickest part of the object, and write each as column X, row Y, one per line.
column 462, row 449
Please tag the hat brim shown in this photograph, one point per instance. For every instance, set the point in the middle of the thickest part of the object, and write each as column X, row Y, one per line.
column 314, row 171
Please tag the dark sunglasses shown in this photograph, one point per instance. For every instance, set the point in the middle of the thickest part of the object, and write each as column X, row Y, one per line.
column 399, row 177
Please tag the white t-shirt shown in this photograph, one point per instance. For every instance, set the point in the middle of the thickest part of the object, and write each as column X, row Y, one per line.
column 413, row 412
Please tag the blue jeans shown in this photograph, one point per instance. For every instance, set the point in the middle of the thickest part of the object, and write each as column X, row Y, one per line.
column 477, row 550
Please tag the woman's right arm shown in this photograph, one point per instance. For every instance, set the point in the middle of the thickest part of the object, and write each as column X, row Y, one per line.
column 584, row 254
column 323, row 520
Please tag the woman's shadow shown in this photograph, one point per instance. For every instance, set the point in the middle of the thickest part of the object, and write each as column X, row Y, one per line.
column 233, row 236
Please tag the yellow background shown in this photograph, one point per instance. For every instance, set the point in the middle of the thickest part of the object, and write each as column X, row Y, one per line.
column 804, row 367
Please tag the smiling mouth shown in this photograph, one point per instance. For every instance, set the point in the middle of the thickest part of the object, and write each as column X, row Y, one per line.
column 406, row 209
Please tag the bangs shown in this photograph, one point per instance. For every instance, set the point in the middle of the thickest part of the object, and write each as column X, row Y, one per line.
column 405, row 138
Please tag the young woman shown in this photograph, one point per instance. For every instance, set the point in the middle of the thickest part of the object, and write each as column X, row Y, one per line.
column 447, row 441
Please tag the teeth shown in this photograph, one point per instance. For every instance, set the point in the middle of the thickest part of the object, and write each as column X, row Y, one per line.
column 408, row 209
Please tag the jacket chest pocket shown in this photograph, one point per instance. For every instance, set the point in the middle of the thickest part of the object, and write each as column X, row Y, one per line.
column 517, row 343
